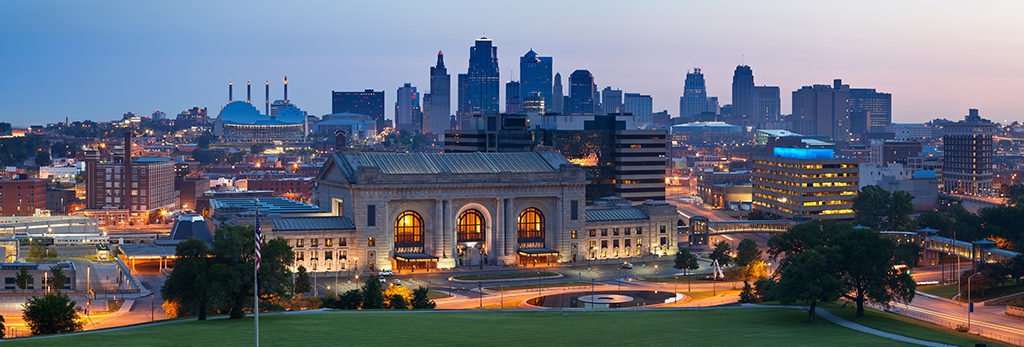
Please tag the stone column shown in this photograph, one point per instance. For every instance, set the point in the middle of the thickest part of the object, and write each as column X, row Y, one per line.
column 438, row 227
column 498, row 229
column 449, row 228
column 511, row 240
column 553, row 238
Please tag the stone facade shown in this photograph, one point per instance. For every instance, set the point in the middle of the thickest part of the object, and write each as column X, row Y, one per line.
column 382, row 191
column 616, row 230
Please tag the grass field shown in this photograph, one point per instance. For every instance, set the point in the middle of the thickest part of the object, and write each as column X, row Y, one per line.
column 770, row 327
column 505, row 276
column 908, row 327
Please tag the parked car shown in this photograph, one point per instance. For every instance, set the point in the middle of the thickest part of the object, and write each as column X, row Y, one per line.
column 382, row 279
column 627, row 265
column 387, row 273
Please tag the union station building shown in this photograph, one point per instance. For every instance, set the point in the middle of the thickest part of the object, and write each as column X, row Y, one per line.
column 423, row 211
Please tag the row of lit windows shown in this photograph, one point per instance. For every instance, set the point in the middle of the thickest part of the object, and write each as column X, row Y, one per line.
column 811, row 176
column 328, row 242
column 804, row 166
column 409, row 227
column 804, row 185
column 808, row 194
column 615, row 231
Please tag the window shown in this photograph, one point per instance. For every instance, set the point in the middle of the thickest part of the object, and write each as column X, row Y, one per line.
column 531, row 225
column 664, row 241
column 639, row 230
column 328, row 242
column 300, row 256
column 300, row 243
column 342, row 242
column 314, row 242
column 604, row 232
column 615, row 232
column 370, row 242
column 627, row 231
column 574, row 206
column 371, row 215
column 409, row 229
column 470, row 226
column 328, row 255
column 662, row 229
column 572, row 234
column 593, row 232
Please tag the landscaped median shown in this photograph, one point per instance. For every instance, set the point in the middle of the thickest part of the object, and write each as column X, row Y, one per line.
column 505, row 276
column 541, row 285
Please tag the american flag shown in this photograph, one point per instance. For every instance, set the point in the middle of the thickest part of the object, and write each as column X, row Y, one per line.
column 259, row 238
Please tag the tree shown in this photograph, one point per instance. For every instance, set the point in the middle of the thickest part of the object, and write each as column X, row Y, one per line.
column 392, row 291
column 804, row 236
column 908, row 253
column 1016, row 267
column 685, row 261
column 189, row 286
column 203, row 141
column 755, row 271
column 57, row 278
column 51, row 314
column 3, row 327
column 38, row 250
column 350, row 300
column 747, row 295
column 721, row 254
column 866, row 268
column 872, row 206
column 23, row 279
column 43, row 158
column 373, row 296
column 302, row 282
column 421, row 299
column 747, row 252
column 809, row 277
column 398, row 302
column 901, row 205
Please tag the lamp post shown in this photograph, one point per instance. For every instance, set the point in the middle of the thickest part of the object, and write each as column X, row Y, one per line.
column 480, row 289
column 970, row 304
column 675, row 284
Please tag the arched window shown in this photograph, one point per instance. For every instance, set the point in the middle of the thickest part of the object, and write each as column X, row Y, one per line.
column 409, row 229
column 531, row 225
column 470, row 227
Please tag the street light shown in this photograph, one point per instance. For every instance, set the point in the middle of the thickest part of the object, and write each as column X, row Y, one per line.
column 970, row 304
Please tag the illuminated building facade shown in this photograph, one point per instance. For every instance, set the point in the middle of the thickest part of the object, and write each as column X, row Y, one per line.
column 419, row 211
column 801, row 183
column 618, row 230
column 967, row 156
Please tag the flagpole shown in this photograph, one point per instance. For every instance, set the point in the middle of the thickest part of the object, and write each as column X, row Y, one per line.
column 255, row 276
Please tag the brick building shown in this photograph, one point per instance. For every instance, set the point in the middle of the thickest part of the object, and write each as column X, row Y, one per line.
column 21, row 197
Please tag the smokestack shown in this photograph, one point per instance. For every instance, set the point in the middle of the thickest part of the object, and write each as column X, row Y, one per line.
column 268, row 98
column 285, row 89
column 230, row 93
column 126, row 199
column 248, row 91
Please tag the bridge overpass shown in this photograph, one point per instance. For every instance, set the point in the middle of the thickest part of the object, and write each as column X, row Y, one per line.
column 701, row 228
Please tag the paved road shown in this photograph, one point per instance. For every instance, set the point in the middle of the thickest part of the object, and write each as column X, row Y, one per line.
column 990, row 321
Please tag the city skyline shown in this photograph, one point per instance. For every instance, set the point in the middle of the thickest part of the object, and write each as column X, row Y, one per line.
column 175, row 58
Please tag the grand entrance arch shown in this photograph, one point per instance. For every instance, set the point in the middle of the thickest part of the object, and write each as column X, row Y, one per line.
column 409, row 239
column 471, row 230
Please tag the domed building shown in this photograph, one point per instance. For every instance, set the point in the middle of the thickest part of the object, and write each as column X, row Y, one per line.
column 240, row 121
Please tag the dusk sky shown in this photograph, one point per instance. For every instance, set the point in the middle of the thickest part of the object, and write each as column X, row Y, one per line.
column 98, row 59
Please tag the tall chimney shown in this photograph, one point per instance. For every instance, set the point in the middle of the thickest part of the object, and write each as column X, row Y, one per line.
column 286, row 89
column 126, row 199
column 267, row 107
column 248, row 91
column 230, row 94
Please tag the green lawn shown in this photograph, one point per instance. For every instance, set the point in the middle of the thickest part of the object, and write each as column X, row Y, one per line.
column 505, row 276
column 769, row 327
column 542, row 285
column 905, row 326
column 949, row 291
column 433, row 295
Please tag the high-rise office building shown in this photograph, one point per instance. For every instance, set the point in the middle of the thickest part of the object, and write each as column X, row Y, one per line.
column 438, row 119
column 125, row 189
column 743, row 95
column 513, row 100
column 642, row 108
column 479, row 86
column 581, row 94
column 967, row 156
column 408, row 116
column 870, row 110
column 535, row 77
column 695, row 96
column 557, row 96
column 767, row 107
column 823, row 110
column 367, row 102
column 799, row 182
column 611, row 100
column 22, row 197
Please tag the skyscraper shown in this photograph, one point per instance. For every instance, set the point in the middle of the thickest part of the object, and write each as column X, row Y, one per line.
column 535, row 77
column 367, row 102
column 823, row 110
column 581, row 93
column 967, row 156
column 513, row 100
column 438, row 119
column 408, row 116
column 743, row 94
column 557, row 96
column 870, row 110
column 767, row 106
column 695, row 96
column 479, row 86
column 611, row 100
column 641, row 106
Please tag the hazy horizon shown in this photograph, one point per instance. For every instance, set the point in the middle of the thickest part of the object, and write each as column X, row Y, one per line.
column 88, row 60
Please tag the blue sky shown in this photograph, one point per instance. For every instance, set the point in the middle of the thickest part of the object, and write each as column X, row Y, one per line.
column 97, row 60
